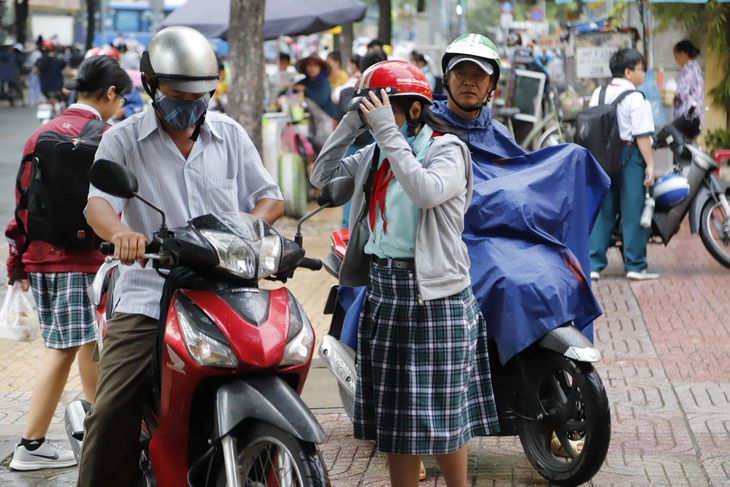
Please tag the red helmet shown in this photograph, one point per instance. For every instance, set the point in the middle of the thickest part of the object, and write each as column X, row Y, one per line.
column 48, row 45
column 403, row 79
column 103, row 51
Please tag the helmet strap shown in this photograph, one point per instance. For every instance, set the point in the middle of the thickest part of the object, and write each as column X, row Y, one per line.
column 469, row 109
column 414, row 123
column 148, row 73
column 198, row 124
column 487, row 99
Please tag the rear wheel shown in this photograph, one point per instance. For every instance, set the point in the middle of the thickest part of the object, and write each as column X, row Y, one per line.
column 549, row 138
column 715, row 231
column 268, row 456
column 562, row 404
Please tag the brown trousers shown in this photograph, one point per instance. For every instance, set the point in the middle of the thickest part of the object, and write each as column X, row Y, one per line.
column 110, row 454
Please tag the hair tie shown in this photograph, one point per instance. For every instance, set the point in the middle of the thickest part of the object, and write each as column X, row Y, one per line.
column 80, row 83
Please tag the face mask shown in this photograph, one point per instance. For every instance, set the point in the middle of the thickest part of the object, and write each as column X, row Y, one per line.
column 181, row 114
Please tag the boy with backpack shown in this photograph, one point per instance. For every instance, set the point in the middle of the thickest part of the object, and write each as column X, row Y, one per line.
column 628, row 186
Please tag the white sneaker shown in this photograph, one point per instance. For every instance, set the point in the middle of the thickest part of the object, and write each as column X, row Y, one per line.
column 48, row 455
column 595, row 276
column 641, row 275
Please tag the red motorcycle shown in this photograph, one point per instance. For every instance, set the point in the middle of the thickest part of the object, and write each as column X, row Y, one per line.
column 232, row 358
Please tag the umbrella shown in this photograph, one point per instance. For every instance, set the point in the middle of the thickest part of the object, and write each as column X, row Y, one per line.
column 136, row 77
column 281, row 17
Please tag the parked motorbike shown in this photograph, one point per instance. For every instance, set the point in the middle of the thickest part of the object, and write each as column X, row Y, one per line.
column 232, row 358
column 706, row 201
column 549, row 394
column 51, row 107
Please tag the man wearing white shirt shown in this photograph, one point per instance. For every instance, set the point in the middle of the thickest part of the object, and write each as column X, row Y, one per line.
column 189, row 162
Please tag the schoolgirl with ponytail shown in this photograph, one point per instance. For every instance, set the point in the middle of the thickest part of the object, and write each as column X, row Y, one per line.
column 59, row 277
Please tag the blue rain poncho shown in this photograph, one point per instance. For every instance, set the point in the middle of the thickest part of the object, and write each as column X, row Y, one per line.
column 527, row 233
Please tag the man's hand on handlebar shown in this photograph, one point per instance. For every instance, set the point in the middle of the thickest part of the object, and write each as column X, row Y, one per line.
column 129, row 247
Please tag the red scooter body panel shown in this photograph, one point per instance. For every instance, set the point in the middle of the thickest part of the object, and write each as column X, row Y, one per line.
column 259, row 346
column 256, row 347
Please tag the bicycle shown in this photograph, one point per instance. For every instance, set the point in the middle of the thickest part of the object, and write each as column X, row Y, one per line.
column 551, row 129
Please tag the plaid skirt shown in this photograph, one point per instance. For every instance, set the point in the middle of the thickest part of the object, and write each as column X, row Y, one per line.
column 423, row 378
column 65, row 313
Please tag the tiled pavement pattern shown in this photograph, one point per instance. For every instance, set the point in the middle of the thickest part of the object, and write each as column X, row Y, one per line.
column 666, row 367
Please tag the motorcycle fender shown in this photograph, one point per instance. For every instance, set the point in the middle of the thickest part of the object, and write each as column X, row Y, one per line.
column 267, row 399
column 569, row 341
column 718, row 186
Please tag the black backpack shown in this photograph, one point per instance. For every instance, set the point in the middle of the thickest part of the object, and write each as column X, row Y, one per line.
column 59, row 185
column 597, row 130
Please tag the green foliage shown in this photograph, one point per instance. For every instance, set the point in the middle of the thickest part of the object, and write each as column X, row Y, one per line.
column 717, row 139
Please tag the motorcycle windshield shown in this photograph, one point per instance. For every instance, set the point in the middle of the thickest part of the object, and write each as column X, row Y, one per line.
column 527, row 231
column 242, row 225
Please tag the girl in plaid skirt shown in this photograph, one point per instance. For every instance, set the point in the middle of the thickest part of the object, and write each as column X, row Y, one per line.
column 423, row 384
column 59, row 277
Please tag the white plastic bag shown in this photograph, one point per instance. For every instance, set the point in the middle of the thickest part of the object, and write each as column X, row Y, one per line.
column 18, row 316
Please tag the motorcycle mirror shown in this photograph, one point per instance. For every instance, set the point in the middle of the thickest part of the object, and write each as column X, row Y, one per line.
column 113, row 178
column 336, row 192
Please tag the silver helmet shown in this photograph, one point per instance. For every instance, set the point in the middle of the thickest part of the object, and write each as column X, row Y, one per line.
column 181, row 58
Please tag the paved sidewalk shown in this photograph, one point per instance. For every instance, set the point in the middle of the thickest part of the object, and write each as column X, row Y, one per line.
column 666, row 367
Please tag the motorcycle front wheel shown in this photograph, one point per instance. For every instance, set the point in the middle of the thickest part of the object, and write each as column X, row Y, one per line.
column 268, row 456
column 715, row 231
column 563, row 404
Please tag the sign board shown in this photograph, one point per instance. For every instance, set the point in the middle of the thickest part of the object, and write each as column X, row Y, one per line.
column 549, row 42
column 592, row 62
column 537, row 15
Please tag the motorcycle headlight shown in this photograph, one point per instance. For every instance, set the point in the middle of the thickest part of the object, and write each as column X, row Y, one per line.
column 198, row 334
column 238, row 256
column 300, row 341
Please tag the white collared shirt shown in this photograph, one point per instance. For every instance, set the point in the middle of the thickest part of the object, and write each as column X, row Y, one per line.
column 634, row 112
column 222, row 173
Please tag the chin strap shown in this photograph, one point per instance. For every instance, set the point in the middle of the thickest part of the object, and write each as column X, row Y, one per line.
column 476, row 108
column 198, row 124
column 413, row 124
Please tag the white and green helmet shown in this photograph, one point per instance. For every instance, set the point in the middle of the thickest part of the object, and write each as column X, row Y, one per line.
column 474, row 48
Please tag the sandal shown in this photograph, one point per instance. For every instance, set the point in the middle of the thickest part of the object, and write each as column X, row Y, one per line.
column 557, row 449
column 422, row 472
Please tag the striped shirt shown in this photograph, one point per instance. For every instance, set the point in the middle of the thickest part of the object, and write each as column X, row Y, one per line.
column 222, row 173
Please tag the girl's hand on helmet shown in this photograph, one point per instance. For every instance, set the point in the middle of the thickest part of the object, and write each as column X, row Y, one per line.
column 371, row 103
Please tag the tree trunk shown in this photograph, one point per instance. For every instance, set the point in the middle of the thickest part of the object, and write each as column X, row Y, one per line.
column 421, row 6
column 346, row 39
column 21, row 19
column 247, row 68
column 90, row 23
column 385, row 29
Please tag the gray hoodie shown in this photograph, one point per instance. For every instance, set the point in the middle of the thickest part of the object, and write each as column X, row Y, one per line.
column 441, row 188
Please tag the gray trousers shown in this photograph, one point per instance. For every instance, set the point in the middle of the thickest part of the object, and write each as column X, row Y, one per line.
column 110, row 454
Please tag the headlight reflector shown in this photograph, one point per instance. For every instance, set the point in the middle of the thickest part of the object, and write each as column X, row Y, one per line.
column 203, row 348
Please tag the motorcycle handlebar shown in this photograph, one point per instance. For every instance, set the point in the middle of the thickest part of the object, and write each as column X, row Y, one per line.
column 312, row 264
column 107, row 248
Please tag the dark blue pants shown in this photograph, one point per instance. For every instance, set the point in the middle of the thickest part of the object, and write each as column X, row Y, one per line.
column 626, row 197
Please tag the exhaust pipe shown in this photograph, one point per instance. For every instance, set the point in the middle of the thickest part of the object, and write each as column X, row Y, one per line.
column 340, row 359
column 74, row 419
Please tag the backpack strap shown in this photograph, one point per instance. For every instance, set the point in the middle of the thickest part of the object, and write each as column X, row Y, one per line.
column 602, row 95
column 23, row 192
column 93, row 128
column 622, row 96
